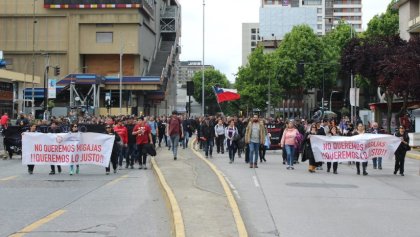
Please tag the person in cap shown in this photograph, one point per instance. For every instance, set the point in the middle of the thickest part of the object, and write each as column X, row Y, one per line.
column 401, row 150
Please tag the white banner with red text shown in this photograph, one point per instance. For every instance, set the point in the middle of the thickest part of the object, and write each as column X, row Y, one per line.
column 356, row 148
column 66, row 148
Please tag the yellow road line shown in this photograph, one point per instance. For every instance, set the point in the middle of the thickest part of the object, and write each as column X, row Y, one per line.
column 38, row 223
column 240, row 225
column 412, row 155
column 8, row 178
column 118, row 179
column 178, row 221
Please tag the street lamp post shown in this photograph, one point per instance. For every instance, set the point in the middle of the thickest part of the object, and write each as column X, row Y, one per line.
column 33, row 59
column 120, row 75
column 353, row 110
column 332, row 92
column 202, row 66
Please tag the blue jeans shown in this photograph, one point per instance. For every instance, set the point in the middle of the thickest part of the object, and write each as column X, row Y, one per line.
column 174, row 143
column 254, row 149
column 377, row 162
column 132, row 153
column 186, row 138
column 208, row 147
column 122, row 155
column 290, row 151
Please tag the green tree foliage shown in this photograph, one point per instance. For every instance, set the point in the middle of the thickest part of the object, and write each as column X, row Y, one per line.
column 212, row 77
column 385, row 24
column 303, row 44
column 252, row 81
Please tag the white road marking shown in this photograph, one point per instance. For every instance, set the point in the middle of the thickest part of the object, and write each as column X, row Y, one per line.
column 256, row 181
column 231, row 185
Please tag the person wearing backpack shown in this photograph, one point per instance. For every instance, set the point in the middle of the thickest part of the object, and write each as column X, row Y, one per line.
column 175, row 132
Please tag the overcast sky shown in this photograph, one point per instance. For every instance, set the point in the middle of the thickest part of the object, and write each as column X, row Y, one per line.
column 223, row 29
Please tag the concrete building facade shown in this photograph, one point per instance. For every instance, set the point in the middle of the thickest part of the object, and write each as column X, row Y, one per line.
column 96, row 37
column 409, row 14
column 185, row 73
column 277, row 17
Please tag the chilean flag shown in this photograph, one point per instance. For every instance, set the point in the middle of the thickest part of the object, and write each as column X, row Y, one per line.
column 223, row 94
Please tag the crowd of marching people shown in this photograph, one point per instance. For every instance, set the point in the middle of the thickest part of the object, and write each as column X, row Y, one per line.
column 138, row 136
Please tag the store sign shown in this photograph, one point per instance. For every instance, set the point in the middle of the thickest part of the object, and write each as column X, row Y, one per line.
column 52, row 88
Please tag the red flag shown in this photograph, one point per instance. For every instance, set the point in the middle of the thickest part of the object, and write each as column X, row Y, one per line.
column 223, row 94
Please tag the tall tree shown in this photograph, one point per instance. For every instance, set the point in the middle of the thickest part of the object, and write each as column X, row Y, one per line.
column 212, row 77
column 253, row 80
column 385, row 24
column 301, row 44
column 375, row 59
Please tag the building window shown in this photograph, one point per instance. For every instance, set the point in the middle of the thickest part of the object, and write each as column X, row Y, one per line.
column 319, row 10
column 253, row 31
column 253, row 37
column 319, row 26
column 253, row 43
column 104, row 37
column 311, row 2
column 319, row 18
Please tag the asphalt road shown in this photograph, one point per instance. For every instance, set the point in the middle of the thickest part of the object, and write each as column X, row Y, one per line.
column 295, row 203
column 129, row 203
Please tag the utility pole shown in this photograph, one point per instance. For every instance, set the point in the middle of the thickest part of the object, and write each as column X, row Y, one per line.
column 33, row 60
column 202, row 66
column 121, row 75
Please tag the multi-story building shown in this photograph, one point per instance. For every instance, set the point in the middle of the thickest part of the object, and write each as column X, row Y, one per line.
column 277, row 17
column 250, row 39
column 101, row 46
column 185, row 72
column 409, row 14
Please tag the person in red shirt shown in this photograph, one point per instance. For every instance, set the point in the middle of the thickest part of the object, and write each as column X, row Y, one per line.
column 175, row 131
column 121, row 130
column 143, row 134
column 4, row 119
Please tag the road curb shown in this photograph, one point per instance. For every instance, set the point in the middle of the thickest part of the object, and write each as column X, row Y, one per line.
column 240, row 225
column 178, row 228
column 411, row 155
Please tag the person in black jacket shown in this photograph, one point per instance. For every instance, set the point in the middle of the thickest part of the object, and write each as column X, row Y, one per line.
column 132, row 146
column 115, row 150
column 401, row 150
column 207, row 137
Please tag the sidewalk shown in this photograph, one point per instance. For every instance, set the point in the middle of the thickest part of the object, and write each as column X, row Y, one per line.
column 201, row 198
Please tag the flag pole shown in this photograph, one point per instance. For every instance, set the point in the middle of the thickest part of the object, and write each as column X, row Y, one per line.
column 217, row 100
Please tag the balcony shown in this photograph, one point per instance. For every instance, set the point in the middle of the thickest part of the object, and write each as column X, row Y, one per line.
column 414, row 25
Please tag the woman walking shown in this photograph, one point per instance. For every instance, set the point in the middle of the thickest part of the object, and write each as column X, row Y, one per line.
column 361, row 130
column 333, row 132
column 289, row 142
column 231, row 134
column 307, row 149
column 74, row 129
column 401, row 150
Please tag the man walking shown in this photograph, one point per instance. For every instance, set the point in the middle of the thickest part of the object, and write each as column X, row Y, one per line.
column 254, row 136
column 144, row 136
column 174, row 131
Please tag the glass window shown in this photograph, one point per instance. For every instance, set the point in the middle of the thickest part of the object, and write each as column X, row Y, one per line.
column 253, row 31
column 319, row 18
column 253, row 43
column 104, row 37
column 319, row 26
column 319, row 10
column 253, row 37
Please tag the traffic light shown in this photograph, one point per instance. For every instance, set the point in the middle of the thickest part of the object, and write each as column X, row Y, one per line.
column 56, row 71
column 300, row 68
column 190, row 88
